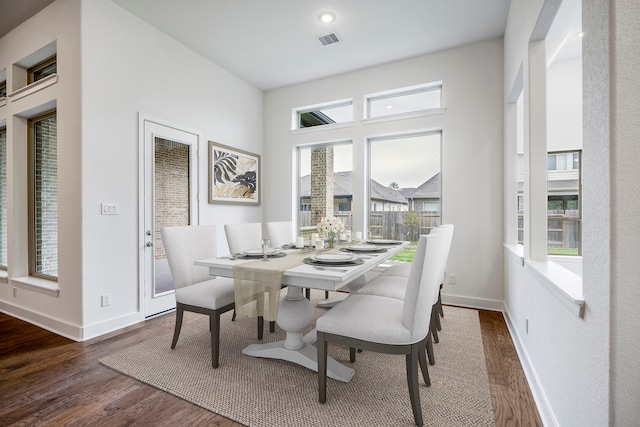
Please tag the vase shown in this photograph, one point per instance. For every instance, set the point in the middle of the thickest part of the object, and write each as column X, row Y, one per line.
column 331, row 239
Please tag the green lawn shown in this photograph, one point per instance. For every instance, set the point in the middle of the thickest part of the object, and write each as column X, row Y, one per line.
column 406, row 255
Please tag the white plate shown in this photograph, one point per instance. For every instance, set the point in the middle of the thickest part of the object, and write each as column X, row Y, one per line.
column 383, row 242
column 272, row 251
column 334, row 258
column 363, row 248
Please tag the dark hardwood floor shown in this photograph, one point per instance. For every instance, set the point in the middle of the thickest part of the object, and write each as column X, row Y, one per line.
column 46, row 379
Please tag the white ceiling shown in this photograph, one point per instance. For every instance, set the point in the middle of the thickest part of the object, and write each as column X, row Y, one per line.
column 274, row 43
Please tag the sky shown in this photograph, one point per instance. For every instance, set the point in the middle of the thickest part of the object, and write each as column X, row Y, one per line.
column 409, row 161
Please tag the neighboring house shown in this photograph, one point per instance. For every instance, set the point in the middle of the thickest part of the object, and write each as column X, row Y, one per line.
column 426, row 197
column 382, row 198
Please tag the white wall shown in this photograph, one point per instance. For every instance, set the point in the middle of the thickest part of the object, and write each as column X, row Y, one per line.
column 128, row 68
column 137, row 69
column 565, row 357
column 59, row 22
column 625, row 292
column 471, row 153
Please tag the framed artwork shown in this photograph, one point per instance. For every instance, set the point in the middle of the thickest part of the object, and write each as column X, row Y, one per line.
column 234, row 175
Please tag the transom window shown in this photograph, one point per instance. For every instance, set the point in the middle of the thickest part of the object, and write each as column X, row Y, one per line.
column 405, row 100
column 325, row 114
column 42, row 70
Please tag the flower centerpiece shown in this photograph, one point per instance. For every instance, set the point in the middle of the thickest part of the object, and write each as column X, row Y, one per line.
column 331, row 226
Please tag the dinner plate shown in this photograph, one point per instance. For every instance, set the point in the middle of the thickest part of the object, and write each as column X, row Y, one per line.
column 362, row 248
column 356, row 261
column 384, row 242
column 256, row 252
column 334, row 258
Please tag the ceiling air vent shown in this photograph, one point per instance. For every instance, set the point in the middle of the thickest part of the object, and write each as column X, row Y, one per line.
column 329, row 39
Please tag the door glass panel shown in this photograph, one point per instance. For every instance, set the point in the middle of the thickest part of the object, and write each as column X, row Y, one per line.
column 172, row 201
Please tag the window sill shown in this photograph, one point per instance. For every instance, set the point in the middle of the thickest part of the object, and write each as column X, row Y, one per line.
column 565, row 285
column 416, row 114
column 517, row 251
column 3, row 101
column 37, row 285
column 33, row 87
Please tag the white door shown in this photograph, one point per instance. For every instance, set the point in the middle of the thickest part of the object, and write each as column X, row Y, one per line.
column 169, row 197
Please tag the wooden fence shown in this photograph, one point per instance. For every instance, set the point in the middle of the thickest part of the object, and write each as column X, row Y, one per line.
column 383, row 225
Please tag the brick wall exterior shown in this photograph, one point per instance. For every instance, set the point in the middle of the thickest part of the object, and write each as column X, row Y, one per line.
column 321, row 183
column 3, row 199
column 171, row 188
column 46, row 196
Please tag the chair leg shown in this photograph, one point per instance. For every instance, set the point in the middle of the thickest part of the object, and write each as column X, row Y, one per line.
column 432, row 326
column 436, row 317
column 352, row 354
column 326, row 294
column 321, row 345
column 233, row 318
column 432, row 359
column 412, row 383
column 272, row 326
column 423, row 367
column 440, row 301
column 178, row 327
column 260, row 327
column 308, row 293
column 214, row 325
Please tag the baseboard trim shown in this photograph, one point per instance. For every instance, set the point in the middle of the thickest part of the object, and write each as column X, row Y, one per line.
column 69, row 330
column 480, row 303
column 57, row 326
column 539, row 396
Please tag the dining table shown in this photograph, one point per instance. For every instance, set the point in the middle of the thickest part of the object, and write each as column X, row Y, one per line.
column 295, row 313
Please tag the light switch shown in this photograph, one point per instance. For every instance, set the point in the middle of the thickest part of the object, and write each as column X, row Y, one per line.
column 110, row 208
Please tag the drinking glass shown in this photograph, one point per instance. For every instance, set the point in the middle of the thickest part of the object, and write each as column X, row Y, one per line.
column 265, row 249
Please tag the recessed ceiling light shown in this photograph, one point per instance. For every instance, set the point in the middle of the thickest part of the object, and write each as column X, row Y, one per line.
column 327, row 17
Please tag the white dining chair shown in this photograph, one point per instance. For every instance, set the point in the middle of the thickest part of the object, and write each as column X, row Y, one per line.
column 280, row 233
column 402, row 270
column 394, row 286
column 243, row 236
column 195, row 289
column 388, row 325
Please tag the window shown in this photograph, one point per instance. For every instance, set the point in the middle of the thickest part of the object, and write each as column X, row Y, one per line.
column 563, row 203
column 326, row 114
column 405, row 100
column 3, row 89
column 3, row 198
column 404, row 186
column 43, row 197
column 42, row 70
column 325, row 184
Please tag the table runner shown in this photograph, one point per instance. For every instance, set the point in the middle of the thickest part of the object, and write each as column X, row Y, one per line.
column 258, row 283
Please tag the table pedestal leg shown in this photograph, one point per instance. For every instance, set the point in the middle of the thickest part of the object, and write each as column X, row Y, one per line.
column 295, row 313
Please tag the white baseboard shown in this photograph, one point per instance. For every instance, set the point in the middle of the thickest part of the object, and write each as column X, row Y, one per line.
column 480, row 303
column 539, row 396
column 66, row 329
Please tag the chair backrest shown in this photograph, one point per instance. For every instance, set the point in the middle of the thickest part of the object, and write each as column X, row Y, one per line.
column 279, row 232
column 183, row 246
column 418, row 298
column 244, row 236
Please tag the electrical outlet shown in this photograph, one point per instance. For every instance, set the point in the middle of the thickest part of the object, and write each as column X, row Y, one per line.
column 105, row 300
column 452, row 279
column 110, row 208
column 526, row 325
